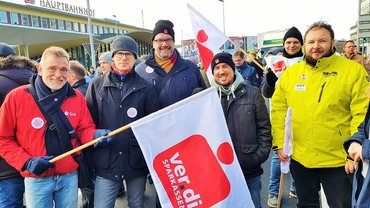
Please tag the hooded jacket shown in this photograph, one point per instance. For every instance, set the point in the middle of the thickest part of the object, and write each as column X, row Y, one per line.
column 14, row 71
column 328, row 103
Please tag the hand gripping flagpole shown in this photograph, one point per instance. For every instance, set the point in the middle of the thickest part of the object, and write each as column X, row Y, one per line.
column 123, row 128
column 247, row 54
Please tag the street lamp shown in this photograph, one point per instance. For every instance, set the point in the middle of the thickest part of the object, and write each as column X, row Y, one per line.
column 92, row 49
column 116, row 29
column 223, row 14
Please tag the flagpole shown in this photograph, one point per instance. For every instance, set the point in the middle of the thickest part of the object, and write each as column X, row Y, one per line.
column 123, row 128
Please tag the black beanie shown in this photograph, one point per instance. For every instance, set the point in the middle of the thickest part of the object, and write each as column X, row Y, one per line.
column 222, row 58
column 6, row 50
column 163, row 26
column 293, row 33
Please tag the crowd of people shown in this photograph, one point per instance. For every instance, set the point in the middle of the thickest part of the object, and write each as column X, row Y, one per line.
column 54, row 106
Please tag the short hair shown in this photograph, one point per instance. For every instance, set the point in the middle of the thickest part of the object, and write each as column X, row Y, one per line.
column 77, row 68
column 55, row 51
column 319, row 25
column 348, row 41
column 239, row 53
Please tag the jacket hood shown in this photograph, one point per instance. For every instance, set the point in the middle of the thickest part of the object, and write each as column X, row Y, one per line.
column 19, row 69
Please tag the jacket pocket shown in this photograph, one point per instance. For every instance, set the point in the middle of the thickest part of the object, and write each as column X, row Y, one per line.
column 136, row 157
column 249, row 159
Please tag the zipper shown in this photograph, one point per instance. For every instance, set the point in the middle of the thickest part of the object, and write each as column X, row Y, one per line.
column 322, row 90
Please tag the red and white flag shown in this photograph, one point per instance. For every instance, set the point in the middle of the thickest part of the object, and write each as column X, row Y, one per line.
column 190, row 155
column 208, row 37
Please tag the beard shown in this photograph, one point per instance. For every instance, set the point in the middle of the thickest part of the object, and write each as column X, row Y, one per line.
column 312, row 61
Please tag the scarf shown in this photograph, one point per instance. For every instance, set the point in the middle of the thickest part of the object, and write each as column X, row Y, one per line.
column 228, row 90
column 121, row 73
column 168, row 63
column 58, row 136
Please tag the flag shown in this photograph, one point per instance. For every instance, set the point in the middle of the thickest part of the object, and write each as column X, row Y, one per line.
column 208, row 37
column 278, row 64
column 190, row 155
column 288, row 137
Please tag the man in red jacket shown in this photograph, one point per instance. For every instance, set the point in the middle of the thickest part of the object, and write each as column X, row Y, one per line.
column 28, row 140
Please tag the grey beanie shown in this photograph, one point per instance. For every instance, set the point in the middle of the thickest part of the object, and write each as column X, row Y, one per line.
column 124, row 43
column 6, row 50
column 107, row 57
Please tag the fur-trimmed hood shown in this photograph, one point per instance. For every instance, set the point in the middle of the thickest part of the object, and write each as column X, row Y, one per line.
column 17, row 62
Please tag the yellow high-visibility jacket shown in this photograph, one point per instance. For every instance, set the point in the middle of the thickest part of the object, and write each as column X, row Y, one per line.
column 328, row 103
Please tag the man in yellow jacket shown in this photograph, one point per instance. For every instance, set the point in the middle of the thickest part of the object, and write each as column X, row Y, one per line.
column 327, row 95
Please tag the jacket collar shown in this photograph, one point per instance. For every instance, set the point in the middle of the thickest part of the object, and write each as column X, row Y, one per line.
column 179, row 65
column 323, row 63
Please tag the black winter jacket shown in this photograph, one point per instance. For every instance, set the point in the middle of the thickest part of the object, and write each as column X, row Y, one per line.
column 114, row 103
column 14, row 72
column 250, row 128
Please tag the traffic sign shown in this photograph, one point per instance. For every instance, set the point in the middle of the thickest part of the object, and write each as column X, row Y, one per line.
column 88, row 48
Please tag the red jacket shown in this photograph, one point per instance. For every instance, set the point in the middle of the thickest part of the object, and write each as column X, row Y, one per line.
column 22, row 130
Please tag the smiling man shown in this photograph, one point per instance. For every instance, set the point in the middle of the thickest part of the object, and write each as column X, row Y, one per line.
column 173, row 77
column 28, row 140
column 115, row 99
column 247, row 120
column 327, row 95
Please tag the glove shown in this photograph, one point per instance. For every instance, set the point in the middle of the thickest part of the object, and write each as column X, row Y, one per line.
column 38, row 165
column 271, row 78
column 102, row 142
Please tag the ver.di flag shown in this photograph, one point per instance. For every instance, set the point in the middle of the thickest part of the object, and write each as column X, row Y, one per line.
column 208, row 37
column 190, row 155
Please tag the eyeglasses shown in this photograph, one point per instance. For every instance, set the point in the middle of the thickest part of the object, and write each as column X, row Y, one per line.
column 123, row 54
column 161, row 41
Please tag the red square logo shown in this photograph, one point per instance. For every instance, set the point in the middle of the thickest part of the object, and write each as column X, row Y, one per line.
column 191, row 174
column 165, row 31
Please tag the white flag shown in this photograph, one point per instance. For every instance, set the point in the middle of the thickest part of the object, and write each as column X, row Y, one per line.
column 190, row 155
column 288, row 138
column 208, row 37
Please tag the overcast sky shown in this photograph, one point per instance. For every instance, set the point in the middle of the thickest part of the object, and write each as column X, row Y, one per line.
column 242, row 17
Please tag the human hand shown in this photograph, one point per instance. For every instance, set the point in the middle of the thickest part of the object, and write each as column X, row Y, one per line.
column 350, row 166
column 104, row 142
column 355, row 151
column 38, row 165
column 282, row 156
column 271, row 78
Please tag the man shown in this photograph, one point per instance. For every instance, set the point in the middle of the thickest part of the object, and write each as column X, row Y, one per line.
column 105, row 61
column 76, row 76
column 14, row 71
column 247, row 120
column 248, row 73
column 292, row 53
column 29, row 140
column 327, row 95
column 117, row 99
column 349, row 52
column 173, row 77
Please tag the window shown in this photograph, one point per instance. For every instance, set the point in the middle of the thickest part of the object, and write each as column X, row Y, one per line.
column 44, row 22
column 14, row 18
column 111, row 30
column 61, row 25
column 95, row 29
column 82, row 27
column 76, row 27
column 53, row 23
column 68, row 25
column 35, row 21
column 25, row 20
column 100, row 30
column 3, row 17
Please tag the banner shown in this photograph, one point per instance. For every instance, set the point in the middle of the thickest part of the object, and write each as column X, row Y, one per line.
column 190, row 154
column 209, row 39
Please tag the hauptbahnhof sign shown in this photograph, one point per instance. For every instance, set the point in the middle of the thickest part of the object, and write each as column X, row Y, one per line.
column 56, row 5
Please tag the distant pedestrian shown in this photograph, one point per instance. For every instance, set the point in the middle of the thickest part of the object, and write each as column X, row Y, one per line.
column 76, row 76
column 248, row 72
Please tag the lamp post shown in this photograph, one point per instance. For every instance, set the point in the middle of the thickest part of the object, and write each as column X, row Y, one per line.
column 92, row 50
column 223, row 14
column 116, row 29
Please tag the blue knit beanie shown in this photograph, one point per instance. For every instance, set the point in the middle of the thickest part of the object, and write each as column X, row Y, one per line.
column 124, row 43
column 6, row 50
